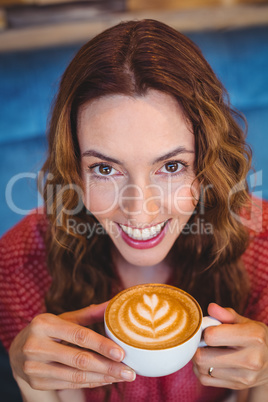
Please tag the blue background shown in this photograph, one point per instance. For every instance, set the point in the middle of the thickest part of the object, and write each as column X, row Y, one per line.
column 29, row 81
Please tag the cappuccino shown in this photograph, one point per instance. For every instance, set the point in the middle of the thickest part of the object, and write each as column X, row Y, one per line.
column 153, row 316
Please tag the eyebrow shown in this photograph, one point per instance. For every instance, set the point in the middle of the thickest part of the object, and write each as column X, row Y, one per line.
column 176, row 151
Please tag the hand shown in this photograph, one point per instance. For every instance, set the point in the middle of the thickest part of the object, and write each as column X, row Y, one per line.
column 239, row 356
column 85, row 359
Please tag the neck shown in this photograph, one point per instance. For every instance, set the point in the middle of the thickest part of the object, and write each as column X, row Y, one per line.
column 132, row 275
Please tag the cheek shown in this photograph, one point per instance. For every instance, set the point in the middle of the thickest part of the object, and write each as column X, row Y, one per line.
column 183, row 199
column 100, row 200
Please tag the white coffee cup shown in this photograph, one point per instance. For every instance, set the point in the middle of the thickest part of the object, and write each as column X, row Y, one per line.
column 161, row 362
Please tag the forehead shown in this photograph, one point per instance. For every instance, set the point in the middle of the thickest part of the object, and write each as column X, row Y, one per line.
column 137, row 126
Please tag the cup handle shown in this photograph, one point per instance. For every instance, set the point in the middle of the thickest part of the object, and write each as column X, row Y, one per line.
column 208, row 322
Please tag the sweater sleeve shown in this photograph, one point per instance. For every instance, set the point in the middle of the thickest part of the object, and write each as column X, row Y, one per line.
column 256, row 262
column 24, row 278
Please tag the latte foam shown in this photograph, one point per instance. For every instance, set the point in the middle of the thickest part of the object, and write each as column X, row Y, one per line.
column 153, row 316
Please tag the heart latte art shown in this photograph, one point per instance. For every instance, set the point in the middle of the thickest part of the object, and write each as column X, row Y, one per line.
column 153, row 316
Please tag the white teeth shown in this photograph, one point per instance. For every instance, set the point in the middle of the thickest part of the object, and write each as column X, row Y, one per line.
column 143, row 234
column 146, row 234
column 136, row 233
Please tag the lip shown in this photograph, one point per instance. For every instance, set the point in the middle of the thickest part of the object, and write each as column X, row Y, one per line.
column 144, row 244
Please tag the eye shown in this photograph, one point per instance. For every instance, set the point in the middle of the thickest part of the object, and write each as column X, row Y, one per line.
column 102, row 169
column 171, row 167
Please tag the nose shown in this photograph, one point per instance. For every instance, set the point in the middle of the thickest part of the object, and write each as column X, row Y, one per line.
column 140, row 203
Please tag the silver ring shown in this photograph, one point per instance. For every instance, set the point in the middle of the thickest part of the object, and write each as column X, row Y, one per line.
column 210, row 371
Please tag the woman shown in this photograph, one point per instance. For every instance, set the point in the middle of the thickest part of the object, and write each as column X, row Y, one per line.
column 144, row 183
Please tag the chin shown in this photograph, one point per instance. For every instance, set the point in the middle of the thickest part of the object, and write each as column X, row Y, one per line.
column 144, row 261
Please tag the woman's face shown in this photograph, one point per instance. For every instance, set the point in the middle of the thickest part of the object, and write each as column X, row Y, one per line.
column 137, row 159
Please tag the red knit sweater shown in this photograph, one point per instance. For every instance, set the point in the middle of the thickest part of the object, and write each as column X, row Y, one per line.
column 24, row 280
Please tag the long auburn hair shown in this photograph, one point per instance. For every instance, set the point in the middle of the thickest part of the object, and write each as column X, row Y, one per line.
column 130, row 59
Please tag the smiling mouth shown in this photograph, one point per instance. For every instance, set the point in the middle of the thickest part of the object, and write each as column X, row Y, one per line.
column 143, row 234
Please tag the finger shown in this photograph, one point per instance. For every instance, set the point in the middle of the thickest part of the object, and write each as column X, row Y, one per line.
column 226, row 378
column 221, row 382
column 84, row 360
column 226, row 359
column 225, row 315
column 59, row 329
column 44, row 384
column 54, row 371
column 235, row 335
column 216, row 357
column 86, row 316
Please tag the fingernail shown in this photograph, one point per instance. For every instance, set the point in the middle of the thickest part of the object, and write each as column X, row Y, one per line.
column 116, row 354
column 128, row 375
